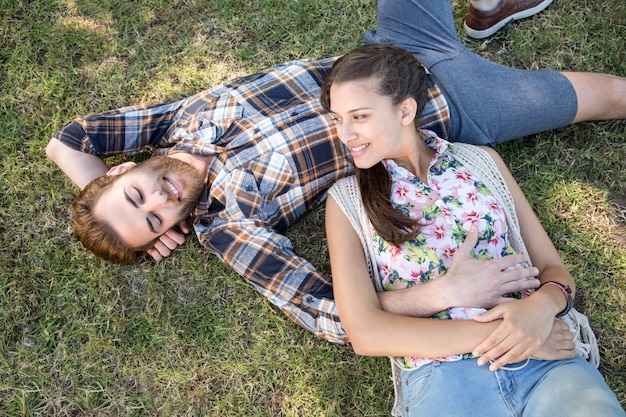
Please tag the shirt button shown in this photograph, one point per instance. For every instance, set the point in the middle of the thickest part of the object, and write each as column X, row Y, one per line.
column 205, row 221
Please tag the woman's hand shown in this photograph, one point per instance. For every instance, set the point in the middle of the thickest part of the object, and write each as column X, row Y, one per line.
column 559, row 345
column 524, row 330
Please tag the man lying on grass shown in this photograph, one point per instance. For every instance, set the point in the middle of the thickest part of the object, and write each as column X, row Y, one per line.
column 244, row 160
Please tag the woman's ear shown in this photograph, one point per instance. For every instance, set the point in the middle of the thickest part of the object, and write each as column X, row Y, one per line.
column 121, row 168
column 409, row 110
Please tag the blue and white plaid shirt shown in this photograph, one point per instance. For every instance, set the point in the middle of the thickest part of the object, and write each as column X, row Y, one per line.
column 276, row 154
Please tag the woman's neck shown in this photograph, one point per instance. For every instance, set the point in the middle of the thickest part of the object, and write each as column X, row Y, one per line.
column 417, row 161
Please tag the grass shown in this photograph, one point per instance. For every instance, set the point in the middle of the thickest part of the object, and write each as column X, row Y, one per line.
column 187, row 337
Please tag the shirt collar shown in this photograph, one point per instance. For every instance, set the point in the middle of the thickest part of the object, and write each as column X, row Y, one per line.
column 430, row 138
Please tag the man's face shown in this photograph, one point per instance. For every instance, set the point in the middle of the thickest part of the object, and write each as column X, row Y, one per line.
column 149, row 199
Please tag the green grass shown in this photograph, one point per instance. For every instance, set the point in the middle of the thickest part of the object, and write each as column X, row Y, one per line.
column 187, row 337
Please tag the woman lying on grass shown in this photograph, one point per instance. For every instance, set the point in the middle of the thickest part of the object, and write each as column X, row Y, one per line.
column 416, row 203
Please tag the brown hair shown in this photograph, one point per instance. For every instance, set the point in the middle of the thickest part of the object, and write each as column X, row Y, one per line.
column 96, row 235
column 400, row 76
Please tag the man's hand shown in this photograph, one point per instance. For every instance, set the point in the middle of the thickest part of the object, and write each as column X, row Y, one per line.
column 467, row 283
column 524, row 330
column 475, row 283
column 168, row 241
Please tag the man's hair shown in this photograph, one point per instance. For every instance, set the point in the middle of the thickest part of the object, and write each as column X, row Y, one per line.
column 95, row 234
column 399, row 76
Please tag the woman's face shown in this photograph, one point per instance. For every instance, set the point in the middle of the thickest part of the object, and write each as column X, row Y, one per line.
column 367, row 122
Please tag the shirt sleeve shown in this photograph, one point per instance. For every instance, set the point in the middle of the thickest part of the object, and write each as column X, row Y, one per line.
column 129, row 130
column 267, row 261
column 243, row 225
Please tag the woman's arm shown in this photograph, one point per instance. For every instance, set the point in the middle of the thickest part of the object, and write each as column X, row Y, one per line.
column 467, row 282
column 527, row 322
column 373, row 331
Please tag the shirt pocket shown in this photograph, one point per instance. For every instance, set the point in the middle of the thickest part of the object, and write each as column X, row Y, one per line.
column 268, row 95
column 258, row 187
column 206, row 117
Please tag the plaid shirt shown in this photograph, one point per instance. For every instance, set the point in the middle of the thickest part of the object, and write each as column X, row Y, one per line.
column 275, row 152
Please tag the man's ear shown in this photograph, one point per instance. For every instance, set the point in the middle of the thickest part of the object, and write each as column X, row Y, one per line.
column 121, row 168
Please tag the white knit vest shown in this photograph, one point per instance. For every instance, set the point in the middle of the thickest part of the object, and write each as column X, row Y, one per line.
column 348, row 196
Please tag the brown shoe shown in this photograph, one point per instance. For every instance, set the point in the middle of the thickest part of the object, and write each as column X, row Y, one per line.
column 480, row 24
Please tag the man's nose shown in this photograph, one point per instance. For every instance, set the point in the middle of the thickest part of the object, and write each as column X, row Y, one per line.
column 156, row 200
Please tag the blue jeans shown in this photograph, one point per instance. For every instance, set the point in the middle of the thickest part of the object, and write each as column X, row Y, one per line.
column 489, row 103
column 570, row 388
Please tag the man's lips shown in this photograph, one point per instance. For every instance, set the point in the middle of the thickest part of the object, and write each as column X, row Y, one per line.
column 174, row 188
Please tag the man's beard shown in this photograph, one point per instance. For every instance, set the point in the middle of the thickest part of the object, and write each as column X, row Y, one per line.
column 192, row 182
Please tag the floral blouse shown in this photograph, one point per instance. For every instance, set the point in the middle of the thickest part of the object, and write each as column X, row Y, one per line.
column 445, row 208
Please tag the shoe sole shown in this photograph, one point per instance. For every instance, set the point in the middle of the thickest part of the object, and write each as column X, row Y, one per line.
column 481, row 34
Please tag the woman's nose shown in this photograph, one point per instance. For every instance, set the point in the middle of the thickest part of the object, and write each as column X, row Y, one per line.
column 346, row 132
